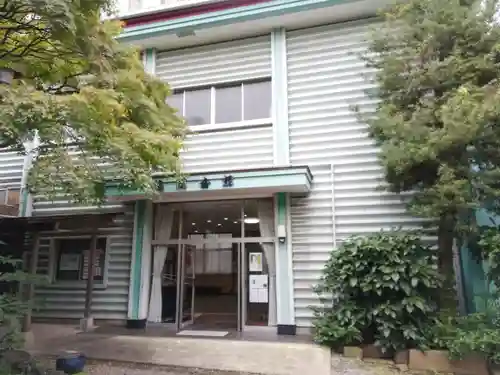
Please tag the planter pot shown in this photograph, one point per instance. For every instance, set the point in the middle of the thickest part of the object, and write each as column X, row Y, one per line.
column 372, row 351
column 438, row 360
column 353, row 352
column 71, row 362
column 431, row 360
column 136, row 323
column 470, row 365
column 401, row 357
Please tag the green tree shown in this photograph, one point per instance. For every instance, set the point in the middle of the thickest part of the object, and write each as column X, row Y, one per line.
column 94, row 111
column 438, row 117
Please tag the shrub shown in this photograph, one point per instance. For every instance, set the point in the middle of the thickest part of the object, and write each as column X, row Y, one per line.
column 477, row 333
column 379, row 289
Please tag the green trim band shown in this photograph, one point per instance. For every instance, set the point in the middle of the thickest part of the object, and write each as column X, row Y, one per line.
column 140, row 217
column 281, row 203
column 150, row 60
column 280, row 98
column 284, row 286
column 24, row 202
column 224, row 17
column 291, row 179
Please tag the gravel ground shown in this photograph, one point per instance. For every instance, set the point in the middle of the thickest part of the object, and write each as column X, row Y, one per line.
column 340, row 366
column 349, row 366
column 124, row 368
column 134, row 369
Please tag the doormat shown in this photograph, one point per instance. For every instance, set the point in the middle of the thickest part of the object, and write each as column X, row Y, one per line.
column 190, row 332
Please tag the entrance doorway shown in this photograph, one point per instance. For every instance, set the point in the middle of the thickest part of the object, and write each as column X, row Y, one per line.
column 219, row 265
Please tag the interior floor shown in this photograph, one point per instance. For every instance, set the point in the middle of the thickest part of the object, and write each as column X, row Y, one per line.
column 216, row 311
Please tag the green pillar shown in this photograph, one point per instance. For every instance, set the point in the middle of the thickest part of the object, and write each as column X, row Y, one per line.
column 284, row 273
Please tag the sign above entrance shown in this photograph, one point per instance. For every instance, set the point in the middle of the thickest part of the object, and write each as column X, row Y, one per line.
column 264, row 182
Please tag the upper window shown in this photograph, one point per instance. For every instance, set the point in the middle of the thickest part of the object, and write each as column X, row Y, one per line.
column 224, row 104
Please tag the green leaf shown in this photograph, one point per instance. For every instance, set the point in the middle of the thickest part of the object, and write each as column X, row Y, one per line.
column 377, row 299
column 80, row 85
column 414, row 282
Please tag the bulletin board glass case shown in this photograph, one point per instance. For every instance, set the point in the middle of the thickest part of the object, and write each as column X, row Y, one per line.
column 73, row 259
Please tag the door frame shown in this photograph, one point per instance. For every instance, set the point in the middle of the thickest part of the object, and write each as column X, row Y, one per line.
column 242, row 274
column 242, row 270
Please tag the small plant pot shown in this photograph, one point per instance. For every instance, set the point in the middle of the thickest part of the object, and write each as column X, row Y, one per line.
column 439, row 361
column 136, row 323
column 374, row 352
column 470, row 365
column 431, row 360
column 353, row 352
column 401, row 357
column 71, row 362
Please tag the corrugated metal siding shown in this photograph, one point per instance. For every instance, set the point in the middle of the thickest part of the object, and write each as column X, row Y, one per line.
column 312, row 239
column 234, row 61
column 228, row 150
column 11, row 168
column 326, row 77
column 42, row 206
column 67, row 302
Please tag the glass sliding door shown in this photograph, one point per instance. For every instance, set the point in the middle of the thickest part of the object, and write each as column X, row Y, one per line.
column 224, row 264
column 186, row 287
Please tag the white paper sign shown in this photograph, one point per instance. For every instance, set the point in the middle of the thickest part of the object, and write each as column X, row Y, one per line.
column 258, row 290
column 86, row 261
column 69, row 262
column 255, row 262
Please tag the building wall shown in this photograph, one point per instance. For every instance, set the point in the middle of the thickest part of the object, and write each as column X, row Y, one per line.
column 241, row 146
column 326, row 77
column 65, row 301
column 11, row 168
column 63, row 205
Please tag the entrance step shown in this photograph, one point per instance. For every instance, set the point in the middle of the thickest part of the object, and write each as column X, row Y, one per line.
column 271, row 358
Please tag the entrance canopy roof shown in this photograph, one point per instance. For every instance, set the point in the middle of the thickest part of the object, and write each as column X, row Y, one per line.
column 223, row 185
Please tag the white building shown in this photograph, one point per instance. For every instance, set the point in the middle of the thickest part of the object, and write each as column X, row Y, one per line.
column 268, row 87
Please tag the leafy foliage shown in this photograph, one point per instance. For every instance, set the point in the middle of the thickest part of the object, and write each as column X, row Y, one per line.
column 489, row 245
column 96, row 113
column 477, row 333
column 379, row 289
column 13, row 305
column 437, row 75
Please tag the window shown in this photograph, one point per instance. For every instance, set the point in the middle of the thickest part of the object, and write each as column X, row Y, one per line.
column 9, row 197
column 197, row 106
column 240, row 102
column 212, row 258
column 72, row 259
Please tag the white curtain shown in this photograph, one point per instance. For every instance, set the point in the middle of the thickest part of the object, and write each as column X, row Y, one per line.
column 163, row 227
column 266, row 226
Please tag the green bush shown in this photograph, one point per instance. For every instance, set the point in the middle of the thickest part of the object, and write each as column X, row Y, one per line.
column 379, row 289
column 477, row 333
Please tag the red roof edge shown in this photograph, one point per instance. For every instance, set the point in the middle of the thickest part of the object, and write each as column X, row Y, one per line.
column 186, row 12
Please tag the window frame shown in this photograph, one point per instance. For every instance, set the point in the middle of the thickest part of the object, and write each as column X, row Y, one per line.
column 7, row 191
column 54, row 262
column 213, row 126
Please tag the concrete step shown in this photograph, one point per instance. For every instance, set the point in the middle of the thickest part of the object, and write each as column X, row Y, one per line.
column 272, row 358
